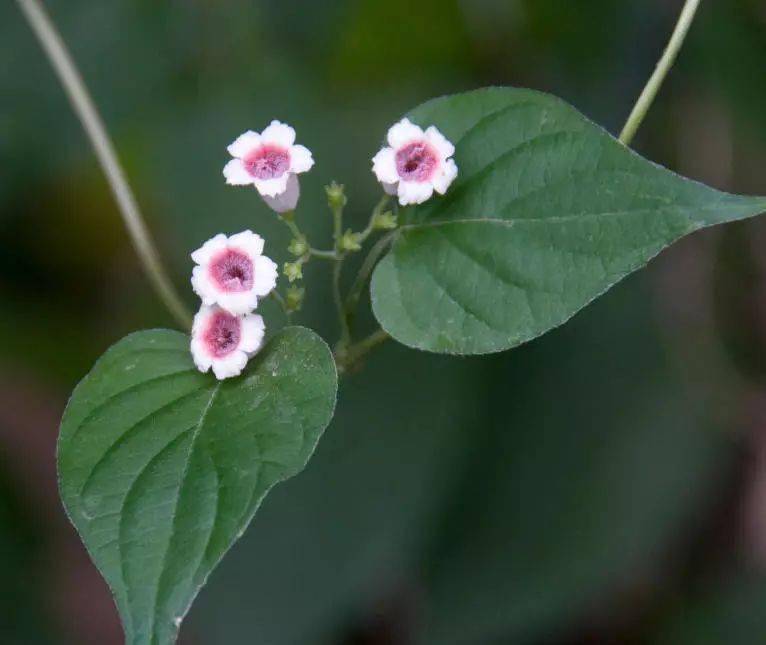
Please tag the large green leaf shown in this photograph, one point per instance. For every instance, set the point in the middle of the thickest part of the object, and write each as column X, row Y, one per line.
column 162, row 468
column 548, row 212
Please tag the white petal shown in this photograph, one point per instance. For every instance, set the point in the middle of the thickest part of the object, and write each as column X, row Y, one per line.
column 402, row 133
column 248, row 241
column 201, row 358
column 236, row 175
column 445, row 176
column 201, row 318
column 265, row 273
column 300, row 159
column 238, row 302
column 440, row 142
column 384, row 166
column 203, row 254
column 203, row 286
column 272, row 187
column 414, row 192
column 252, row 332
column 244, row 143
column 231, row 365
column 288, row 200
column 279, row 134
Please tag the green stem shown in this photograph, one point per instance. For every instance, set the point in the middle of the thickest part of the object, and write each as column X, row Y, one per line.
column 663, row 67
column 322, row 255
column 357, row 288
column 277, row 297
column 354, row 353
column 345, row 330
column 379, row 208
column 91, row 121
column 288, row 218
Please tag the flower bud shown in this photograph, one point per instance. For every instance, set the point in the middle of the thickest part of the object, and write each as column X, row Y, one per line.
column 349, row 241
column 293, row 271
column 384, row 221
column 336, row 196
column 298, row 246
column 294, row 298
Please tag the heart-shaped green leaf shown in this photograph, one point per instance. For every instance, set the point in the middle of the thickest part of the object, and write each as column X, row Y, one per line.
column 547, row 213
column 162, row 468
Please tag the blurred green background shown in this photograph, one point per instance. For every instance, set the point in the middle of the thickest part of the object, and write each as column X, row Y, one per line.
column 604, row 484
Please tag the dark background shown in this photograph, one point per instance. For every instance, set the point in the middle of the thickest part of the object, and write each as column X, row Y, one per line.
column 603, row 484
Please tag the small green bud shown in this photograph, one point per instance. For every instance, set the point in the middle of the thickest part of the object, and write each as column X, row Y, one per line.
column 349, row 241
column 336, row 196
column 298, row 246
column 294, row 298
column 384, row 221
column 293, row 271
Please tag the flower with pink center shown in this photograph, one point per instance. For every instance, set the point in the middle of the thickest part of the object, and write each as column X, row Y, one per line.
column 415, row 163
column 224, row 341
column 232, row 272
column 270, row 161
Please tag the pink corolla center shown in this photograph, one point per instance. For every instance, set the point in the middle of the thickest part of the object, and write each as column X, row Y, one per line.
column 232, row 271
column 267, row 162
column 223, row 334
column 417, row 161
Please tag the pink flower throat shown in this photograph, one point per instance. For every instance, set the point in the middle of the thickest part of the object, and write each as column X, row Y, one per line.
column 223, row 334
column 232, row 271
column 416, row 161
column 267, row 162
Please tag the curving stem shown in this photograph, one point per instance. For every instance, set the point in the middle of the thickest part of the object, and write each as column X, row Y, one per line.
column 91, row 121
column 654, row 84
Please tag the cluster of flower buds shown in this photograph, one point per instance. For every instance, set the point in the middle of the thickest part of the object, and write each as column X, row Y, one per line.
column 232, row 274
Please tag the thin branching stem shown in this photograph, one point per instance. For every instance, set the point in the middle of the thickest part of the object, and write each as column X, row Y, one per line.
column 91, row 121
column 354, row 353
column 322, row 255
column 345, row 329
column 357, row 288
column 654, row 84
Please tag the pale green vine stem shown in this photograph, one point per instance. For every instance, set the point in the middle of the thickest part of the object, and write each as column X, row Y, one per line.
column 654, row 84
column 337, row 270
column 369, row 263
column 83, row 106
column 357, row 351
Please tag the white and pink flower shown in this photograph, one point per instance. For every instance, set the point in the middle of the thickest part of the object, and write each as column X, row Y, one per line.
column 270, row 161
column 233, row 273
column 223, row 341
column 415, row 163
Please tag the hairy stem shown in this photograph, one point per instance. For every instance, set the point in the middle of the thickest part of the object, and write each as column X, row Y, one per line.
column 647, row 97
column 83, row 106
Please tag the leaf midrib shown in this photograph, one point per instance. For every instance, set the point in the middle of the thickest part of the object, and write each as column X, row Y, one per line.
column 174, row 516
